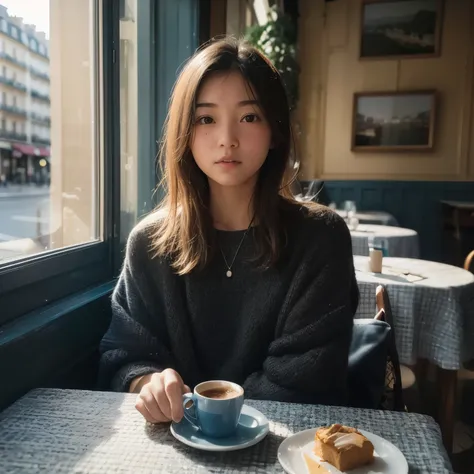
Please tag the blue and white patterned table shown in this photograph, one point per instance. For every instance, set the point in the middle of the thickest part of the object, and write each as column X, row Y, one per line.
column 66, row 431
column 400, row 242
column 433, row 314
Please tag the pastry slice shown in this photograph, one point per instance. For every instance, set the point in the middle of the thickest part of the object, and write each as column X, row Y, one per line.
column 343, row 447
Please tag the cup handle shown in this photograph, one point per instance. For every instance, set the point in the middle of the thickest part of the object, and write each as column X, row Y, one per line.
column 190, row 413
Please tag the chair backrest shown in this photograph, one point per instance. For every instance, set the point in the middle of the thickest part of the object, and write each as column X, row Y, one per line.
column 468, row 261
column 393, row 394
column 374, row 369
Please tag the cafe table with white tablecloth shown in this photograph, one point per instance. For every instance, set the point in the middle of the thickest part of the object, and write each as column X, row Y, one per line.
column 432, row 305
column 398, row 241
column 433, row 316
column 371, row 217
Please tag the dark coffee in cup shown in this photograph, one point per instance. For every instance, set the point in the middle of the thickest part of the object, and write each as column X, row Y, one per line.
column 220, row 393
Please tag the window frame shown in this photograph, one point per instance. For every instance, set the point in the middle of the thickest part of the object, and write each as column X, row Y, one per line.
column 33, row 282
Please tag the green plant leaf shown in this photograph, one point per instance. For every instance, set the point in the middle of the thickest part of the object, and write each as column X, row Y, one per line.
column 277, row 39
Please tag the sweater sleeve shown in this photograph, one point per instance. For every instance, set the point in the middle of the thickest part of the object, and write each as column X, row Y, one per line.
column 307, row 362
column 132, row 345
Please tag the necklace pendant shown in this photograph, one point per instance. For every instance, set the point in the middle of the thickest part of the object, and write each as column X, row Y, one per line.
column 229, row 273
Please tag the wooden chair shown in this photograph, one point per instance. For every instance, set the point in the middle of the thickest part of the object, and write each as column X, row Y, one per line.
column 407, row 375
column 468, row 261
column 393, row 395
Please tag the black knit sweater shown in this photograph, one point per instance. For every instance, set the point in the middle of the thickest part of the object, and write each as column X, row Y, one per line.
column 283, row 333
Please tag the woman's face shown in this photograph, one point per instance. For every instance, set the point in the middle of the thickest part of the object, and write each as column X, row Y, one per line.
column 231, row 137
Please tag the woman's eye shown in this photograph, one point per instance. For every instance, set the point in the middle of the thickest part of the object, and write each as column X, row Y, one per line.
column 205, row 120
column 250, row 118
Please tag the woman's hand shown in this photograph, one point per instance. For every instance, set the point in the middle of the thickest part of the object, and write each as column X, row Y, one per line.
column 161, row 396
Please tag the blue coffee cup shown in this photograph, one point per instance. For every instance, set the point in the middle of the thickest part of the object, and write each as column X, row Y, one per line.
column 216, row 407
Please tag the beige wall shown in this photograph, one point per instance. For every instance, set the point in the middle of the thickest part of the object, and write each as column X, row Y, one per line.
column 332, row 73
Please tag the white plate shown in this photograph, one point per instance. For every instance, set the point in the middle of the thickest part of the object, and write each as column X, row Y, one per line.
column 388, row 459
column 253, row 427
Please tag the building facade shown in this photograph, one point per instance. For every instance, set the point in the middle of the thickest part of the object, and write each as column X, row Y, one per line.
column 25, row 117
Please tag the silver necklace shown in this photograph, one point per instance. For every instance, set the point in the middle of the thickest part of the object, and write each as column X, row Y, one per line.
column 229, row 273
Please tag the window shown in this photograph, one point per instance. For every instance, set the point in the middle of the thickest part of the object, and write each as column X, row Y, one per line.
column 4, row 71
column 59, row 240
column 3, row 25
column 24, row 37
column 4, row 98
column 70, row 216
column 14, row 127
column 137, row 115
column 129, row 92
column 41, row 49
column 14, row 100
column 14, row 32
column 144, row 97
column 14, row 53
column 4, row 124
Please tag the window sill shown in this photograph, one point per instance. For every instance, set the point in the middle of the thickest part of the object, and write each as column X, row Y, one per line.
column 38, row 346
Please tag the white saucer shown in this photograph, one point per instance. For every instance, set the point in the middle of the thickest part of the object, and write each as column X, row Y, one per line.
column 388, row 459
column 253, row 427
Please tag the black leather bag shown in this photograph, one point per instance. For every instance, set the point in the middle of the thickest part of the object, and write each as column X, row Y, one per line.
column 368, row 356
column 375, row 379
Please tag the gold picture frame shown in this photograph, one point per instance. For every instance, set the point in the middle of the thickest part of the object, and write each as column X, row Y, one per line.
column 398, row 29
column 394, row 121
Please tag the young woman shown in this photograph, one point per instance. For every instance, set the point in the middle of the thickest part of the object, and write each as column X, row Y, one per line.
column 230, row 278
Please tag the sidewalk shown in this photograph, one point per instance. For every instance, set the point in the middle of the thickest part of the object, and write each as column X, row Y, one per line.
column 23, row 190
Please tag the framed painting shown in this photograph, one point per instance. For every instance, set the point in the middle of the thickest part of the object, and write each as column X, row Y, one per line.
column 394, row 29
column 394, row 121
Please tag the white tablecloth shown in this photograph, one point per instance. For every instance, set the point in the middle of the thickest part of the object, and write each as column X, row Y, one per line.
column 400, row 242
column 372, row 217
column 432, row 304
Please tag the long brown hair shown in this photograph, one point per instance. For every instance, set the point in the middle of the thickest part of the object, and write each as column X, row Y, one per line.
column 184, row 231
